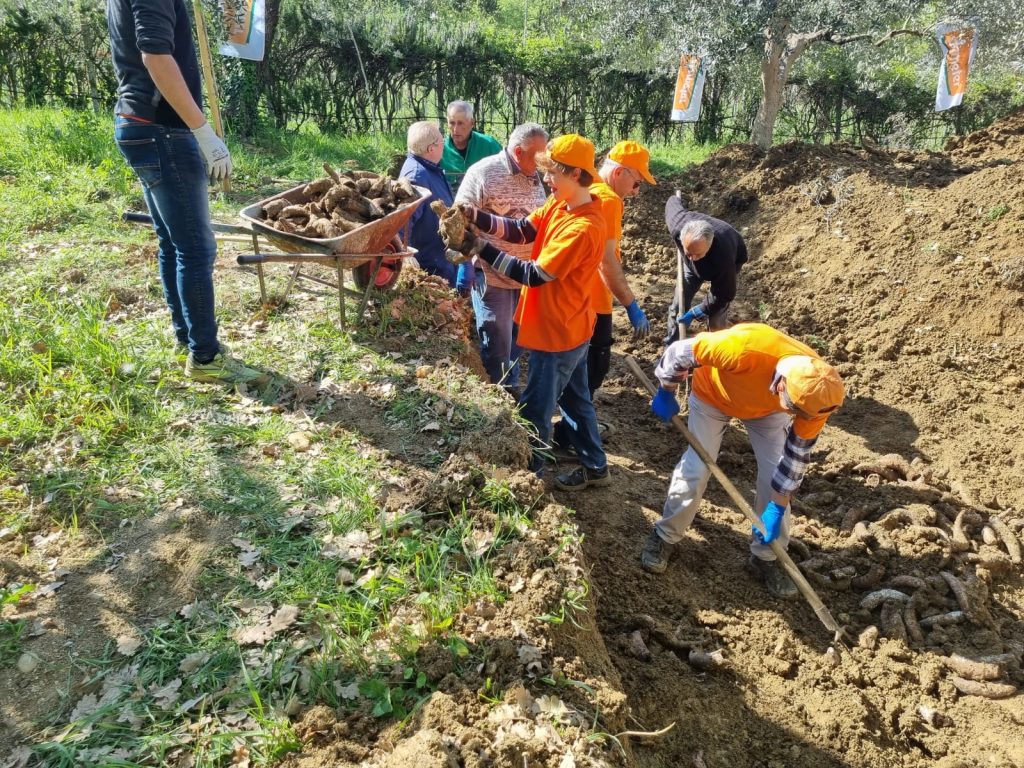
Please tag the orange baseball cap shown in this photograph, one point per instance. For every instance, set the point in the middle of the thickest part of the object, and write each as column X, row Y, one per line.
column 635, row 156
column 814, row 386
column 572, row 149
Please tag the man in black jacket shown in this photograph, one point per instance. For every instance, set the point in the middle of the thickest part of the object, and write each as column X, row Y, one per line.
column 713, row 252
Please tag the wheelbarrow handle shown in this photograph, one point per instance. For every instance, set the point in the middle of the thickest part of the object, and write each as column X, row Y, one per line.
column 134, row 217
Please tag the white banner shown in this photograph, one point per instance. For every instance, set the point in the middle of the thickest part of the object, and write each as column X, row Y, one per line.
column 959, row 44
column 689, row 89
column 245, row 29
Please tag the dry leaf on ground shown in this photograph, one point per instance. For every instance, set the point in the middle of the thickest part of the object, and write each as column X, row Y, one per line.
column 128, row 645
column 165, row 695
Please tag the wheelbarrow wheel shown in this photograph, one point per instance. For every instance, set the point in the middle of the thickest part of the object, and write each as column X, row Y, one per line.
column 387, row 275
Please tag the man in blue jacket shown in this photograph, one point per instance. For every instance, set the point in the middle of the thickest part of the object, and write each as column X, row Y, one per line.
column 422, row 167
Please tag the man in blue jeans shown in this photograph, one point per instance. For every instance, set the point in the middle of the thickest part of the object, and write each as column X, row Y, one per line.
column 162, row 133
column 506, row 184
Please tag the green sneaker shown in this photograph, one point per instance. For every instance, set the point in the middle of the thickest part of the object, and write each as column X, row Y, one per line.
column 224, row 369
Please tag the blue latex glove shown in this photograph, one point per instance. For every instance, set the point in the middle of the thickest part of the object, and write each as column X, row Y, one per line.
column 637, row 318
column 692, row 314
column 664, row 405
column 772, row 519
column 465, row 278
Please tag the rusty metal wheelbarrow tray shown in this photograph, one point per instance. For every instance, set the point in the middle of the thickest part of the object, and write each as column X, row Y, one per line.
column 362, row 244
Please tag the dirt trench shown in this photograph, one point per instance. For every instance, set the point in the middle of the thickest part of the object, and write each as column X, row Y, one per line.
column 905, row 270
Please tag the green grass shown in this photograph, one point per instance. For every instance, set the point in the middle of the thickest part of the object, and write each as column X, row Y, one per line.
column 99, row 430
column 673, row 159
column 997, row 212
column 60, row 170
column 106, row 399
column 11, row 630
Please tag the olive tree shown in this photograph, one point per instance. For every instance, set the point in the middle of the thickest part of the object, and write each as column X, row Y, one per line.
column 776, row 33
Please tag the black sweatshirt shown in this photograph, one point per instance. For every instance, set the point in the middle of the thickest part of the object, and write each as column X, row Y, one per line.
column 150, row 26
column 722, row 263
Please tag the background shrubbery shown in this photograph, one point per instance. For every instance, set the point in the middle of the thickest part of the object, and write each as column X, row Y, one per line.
column 349, row 67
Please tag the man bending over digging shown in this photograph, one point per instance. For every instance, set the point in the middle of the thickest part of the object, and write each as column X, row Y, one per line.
column 782, row 392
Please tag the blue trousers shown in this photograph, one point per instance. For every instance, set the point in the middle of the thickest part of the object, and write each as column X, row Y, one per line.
column 494, row 309
column 559, row 380
column 174, row 184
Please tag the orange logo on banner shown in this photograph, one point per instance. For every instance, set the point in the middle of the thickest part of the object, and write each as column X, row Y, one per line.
column 689, row 68
column 958, row 59
column 238, row 20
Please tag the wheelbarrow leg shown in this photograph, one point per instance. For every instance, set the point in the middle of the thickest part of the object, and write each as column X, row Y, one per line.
column 341, row 292
column 369, row 288
column 291, row 283
column 259, row 269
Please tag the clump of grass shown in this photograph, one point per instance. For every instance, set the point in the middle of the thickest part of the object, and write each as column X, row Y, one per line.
column 997, row 212
column 11, row 630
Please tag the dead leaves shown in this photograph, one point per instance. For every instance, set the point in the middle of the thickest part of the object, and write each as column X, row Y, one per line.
column 164, row 696
column 351, row 547
column 127, row 645
column 260, row 634
column 300, row 441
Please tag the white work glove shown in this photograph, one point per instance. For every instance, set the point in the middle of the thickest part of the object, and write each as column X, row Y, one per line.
column 215, row 152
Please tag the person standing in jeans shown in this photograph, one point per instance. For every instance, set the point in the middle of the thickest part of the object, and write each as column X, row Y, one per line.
column 554, row 314
column 506, row 184
column 162, row 132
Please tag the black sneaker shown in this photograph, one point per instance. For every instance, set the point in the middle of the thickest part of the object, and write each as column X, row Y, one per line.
column 657, row 553
column 581, row 478
column 774, row 577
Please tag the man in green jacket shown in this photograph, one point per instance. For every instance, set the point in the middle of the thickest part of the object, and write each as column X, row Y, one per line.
column 464, row 146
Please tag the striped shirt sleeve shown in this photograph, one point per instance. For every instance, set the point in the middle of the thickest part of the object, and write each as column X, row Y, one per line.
column 522, row 271
column 796, row 455
column 509, row 230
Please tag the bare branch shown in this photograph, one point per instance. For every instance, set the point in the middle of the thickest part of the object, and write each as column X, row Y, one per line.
column 895, row 32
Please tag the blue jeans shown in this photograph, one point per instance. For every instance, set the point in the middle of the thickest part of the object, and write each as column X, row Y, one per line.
column 559, row 380
column 494, row 309
column 174, row 183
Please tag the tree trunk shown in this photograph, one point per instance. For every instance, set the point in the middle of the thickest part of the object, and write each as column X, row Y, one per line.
column 781, row 50
column 773, row 80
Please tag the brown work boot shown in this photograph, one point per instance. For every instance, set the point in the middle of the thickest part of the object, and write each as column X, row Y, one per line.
column 657, row 553
column 774, row 577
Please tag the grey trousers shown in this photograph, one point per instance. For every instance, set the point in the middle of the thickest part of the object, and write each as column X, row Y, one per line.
column 690, row 477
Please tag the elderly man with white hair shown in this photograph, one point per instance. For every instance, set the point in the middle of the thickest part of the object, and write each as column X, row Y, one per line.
column 422, row 167
column 464, row 146
column 506, row 184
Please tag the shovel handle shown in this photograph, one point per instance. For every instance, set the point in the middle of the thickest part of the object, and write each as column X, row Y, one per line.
column 679, row 293
column 823, row 614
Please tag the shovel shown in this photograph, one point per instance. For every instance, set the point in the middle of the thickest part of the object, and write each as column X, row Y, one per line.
column 785, row 560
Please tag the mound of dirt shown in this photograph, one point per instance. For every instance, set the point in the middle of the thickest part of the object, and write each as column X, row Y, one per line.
column 905, row 269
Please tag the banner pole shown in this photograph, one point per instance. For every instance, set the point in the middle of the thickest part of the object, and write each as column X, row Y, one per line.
column 211, row 86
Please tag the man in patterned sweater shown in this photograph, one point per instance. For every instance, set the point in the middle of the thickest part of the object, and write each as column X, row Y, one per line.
column 782, row 392
column 506, row 184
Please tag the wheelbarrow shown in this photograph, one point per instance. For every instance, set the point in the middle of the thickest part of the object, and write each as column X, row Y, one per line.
column 373, row 252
